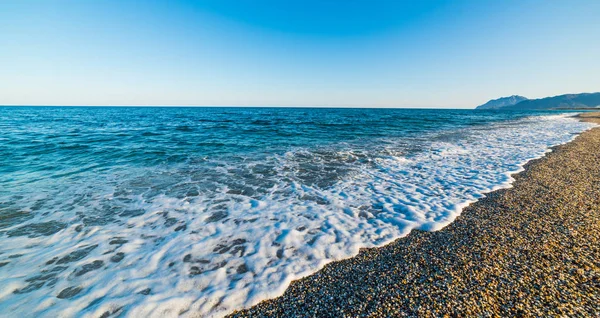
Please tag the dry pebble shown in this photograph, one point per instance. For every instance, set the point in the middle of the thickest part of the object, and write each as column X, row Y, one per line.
column 531, row 250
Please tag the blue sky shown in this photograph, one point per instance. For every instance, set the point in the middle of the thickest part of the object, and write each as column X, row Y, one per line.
column 295, row 53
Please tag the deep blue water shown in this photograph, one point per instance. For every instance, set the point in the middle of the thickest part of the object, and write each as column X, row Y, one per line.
column 69, row 143
column 53, row 139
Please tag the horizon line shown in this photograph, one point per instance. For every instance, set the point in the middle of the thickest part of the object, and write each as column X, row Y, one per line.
column 240, row 106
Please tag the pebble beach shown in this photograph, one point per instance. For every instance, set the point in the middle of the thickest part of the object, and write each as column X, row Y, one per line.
column 530, row 250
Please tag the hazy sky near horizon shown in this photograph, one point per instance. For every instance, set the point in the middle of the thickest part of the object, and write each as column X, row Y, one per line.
column 295, row 53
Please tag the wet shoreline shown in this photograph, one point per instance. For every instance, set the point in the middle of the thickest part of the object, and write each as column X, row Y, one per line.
column 528, row 250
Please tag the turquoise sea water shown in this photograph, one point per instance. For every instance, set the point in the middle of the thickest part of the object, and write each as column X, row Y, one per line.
column 162, row 211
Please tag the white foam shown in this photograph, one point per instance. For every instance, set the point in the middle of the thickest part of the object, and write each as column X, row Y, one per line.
column 265, row 241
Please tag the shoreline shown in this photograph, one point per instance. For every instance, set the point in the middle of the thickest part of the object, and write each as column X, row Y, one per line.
column 490, row 261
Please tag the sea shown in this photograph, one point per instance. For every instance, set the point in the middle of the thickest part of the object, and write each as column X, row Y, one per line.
column 175, row 211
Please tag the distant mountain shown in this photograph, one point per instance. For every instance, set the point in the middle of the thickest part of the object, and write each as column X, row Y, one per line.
column 502, row 102
column 583, row 100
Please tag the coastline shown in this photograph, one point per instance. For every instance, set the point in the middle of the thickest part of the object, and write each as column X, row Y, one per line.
column 531, row 249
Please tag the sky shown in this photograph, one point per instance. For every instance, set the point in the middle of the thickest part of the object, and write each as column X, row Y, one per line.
column 353, row 53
